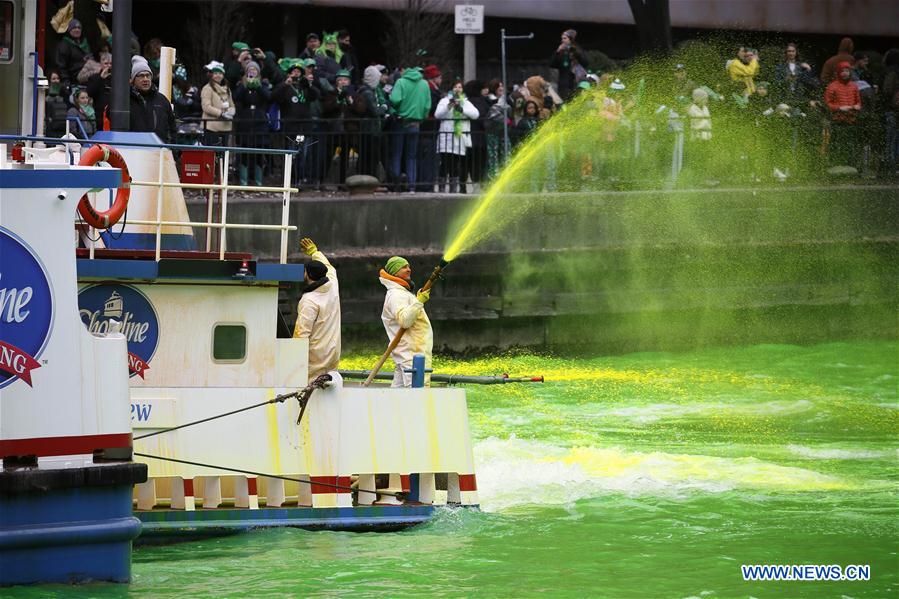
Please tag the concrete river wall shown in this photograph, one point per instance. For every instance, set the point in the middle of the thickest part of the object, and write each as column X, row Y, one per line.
column 616, row 271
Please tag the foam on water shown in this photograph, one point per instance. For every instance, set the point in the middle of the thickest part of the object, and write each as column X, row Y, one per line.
column 665, row 411
column 516, row 472
column 834, row 453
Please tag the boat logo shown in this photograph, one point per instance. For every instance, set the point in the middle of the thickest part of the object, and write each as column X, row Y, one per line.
column 26, row 309
column 102, row 305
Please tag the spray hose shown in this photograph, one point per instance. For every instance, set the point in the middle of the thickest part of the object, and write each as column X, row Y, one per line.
column 436, row 274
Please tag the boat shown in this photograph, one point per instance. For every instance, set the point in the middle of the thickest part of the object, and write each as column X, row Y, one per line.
column 190, row 379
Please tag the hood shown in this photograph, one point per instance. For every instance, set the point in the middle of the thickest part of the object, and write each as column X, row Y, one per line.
column 412, row 74
column 371, row 77
column 846, row 46
column 388, row 284
column 844, row 64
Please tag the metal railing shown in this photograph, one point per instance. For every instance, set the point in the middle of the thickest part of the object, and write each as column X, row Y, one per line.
column 224, row 187
column 330, row 149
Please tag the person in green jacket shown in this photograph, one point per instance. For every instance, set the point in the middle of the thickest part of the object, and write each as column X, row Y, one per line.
column 411, row 101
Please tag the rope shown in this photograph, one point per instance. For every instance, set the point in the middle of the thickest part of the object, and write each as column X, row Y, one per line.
column 302, row 396
column 399, row 495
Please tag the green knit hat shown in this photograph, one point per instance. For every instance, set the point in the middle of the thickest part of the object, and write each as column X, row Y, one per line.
column 394, row 265
column 240, row 46
column 344, row 73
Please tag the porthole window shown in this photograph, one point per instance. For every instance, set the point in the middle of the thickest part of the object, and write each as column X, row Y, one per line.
column 229, row 343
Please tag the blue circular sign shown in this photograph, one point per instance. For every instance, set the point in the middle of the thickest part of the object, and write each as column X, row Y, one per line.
column 26, row 309
column 100, row 304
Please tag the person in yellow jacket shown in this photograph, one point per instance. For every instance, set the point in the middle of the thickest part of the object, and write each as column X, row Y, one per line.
column 318, row 313
column 744, row 69
column 405, row 309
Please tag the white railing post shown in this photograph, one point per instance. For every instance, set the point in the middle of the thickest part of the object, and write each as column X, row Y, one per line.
column 285, row 205
column 159, row 191
column 90, row 241
column 224, row 204
column 209, row 201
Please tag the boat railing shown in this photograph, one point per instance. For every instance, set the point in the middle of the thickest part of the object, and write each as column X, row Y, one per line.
column 224, row 164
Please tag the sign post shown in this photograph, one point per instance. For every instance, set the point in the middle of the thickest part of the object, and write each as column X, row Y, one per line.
column 469, row 22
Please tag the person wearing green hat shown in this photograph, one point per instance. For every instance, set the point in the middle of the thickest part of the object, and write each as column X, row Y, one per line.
column 404, row 309
column 234, row 67
column 296, row 96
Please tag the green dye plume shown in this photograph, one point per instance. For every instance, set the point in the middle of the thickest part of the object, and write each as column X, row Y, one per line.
column 602, row 238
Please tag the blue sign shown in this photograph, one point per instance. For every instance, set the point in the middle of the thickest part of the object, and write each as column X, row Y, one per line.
column 26, row 309
column 98, row 305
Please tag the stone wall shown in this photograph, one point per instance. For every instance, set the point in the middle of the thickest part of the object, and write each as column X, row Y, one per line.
column 617, row 271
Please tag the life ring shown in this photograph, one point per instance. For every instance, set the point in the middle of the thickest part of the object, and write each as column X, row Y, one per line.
column 104, row 220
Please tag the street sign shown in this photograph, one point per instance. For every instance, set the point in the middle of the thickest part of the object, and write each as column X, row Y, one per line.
column 469, row 19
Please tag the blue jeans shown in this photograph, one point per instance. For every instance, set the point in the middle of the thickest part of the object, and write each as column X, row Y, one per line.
column 405, row 136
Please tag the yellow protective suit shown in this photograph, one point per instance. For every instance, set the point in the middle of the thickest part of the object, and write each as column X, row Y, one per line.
column 403, row 310
column 318, row 319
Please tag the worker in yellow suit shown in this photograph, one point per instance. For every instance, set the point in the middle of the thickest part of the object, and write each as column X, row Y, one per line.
column 318, row 313
column 405, row 309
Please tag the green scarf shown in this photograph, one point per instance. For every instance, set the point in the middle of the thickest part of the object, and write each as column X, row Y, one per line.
column 458, row 116
column 254, row 83
column 89, row 112
column 82, row 44
column 54, row 89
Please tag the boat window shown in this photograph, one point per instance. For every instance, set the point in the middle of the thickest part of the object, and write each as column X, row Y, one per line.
column 229, row 343
column 6, row 31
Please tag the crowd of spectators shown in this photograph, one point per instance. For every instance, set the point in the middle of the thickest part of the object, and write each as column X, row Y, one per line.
column 417, row 131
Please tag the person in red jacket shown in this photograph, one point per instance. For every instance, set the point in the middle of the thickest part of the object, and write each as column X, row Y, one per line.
column 844, row 102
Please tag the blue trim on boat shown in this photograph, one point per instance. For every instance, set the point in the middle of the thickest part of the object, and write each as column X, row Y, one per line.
column 64, row 178
column 108, row 268
column 279, row 272
column 127, row 137
column 180, row 523
column 100, row 268
column 67, row 535
column 147, row 241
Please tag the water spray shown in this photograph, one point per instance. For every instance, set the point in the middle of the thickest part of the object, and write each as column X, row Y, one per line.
column 436, row 274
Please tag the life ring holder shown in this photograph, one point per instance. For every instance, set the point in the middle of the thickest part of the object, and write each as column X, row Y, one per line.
column 104, row 220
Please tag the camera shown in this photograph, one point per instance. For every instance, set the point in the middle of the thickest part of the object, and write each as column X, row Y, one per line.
column 61, row 194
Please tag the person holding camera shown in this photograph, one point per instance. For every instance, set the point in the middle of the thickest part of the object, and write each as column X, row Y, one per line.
column 454, row 112
column 296, row 96
column 571, row 63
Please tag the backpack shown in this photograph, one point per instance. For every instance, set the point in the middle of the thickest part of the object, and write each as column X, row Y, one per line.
column 273, row 116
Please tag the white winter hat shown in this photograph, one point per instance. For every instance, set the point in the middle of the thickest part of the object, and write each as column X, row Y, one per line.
column 139, row 65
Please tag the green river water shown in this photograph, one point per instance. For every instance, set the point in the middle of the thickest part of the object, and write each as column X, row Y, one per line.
column 644, row 475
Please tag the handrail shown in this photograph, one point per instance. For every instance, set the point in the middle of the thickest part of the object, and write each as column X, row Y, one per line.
column 224, row 187
column 88, row 142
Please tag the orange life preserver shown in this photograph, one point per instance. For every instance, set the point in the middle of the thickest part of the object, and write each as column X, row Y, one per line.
column 104, row 220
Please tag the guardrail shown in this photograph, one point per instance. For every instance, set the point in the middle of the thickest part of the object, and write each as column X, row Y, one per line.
column 224, row 187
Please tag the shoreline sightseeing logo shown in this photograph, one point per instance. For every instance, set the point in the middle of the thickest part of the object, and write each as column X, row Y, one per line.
column 100, row 304
column 26, row 309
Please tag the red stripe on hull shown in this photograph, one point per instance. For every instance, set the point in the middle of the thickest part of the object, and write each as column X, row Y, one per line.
column 405, row 482
column 189, row 487
column 50, row 446
column 251, row 486
column 318, row 489
column 467, row 482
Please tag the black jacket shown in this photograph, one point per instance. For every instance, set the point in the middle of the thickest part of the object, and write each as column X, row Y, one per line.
column 151, row 112
column 69, row 60
column 295, row 101
column 563, row 61
column 100, row 90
